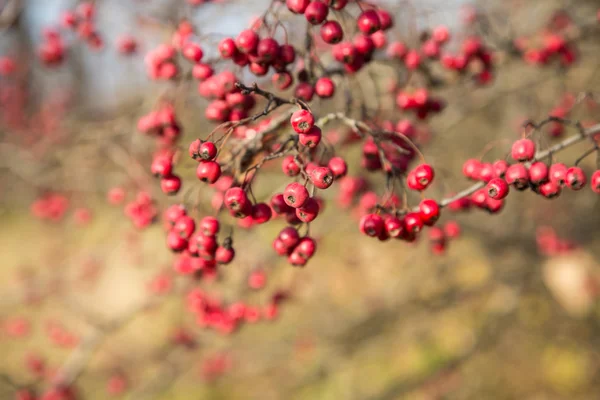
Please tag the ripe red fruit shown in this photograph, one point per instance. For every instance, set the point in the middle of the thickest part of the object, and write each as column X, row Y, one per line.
column 497, row 188
column 279, row 205
column 192, row 52
column 309, row 210
column 316, row 12
column 429, row 211
column 306, row 247
column 550, row 189
column 575, row 178
column 289, row 166
column 486, row 172
column 523, row 150
column 227, row 48
column 207, row 151
column 500, row 168
column 424, row 175
column 471, row 169
column 338, row 167
column 247, row 41
column 161, row 166
column 302, row 121
column 208, row 171
column 371, row 225
column 236, row 199
column 304, row 91
column 321, row 177
column 538, row 172
column 224, row 255
column 480, row 198
column 518, row 176
column 185, row 226
column 337, row 4
column 170, row 184
column 267, row 50
column 289, row 237
column 324, row 87
column 312, row 138
column 202, row 71
column 595, row 181
column 331, row 32
column 385, row 19
column 297, row 6
column 368, row 22
column 412, row 223
column 558, row 173
column 394, row 226
column 261, row 213
column 452, row 229
column 209, row 226
column 295, row 195
column 175, row 242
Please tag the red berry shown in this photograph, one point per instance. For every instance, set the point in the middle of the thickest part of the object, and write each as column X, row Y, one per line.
column 324, row 87
column 331, row 32
column 471, row 169
column 295, row 195
column 289, row 237
column 424, row 175
column 175, row 242
column 279, row 205
column 595, row 181
column 368, row 22
column 500, row 168
column 538, row 172
column 207, row 151
column 312, row 138
column 337, row 4
column 452, row 229
column 518, row 176
column 224, row 255
column 247, row 41
column 302, row 121
column 289, row 166
column 170, row 184
column 558, row 174
column 316, row 12
column 236, row 199
column 192, row 52
column 394, row 226
column 227, row 48
column 208, row 171
column 371, row 225
column 309, row 210
column 497, row 188
column 575, row 178
column 185, row 226
column 550, row 189
column 297, row 6
column 338, row 167
column 209, row 226
column 261, row 213
column 321, row 177
column 486, row 172
column 413, row 223
column 480, row 198
column 267, row 50
column 385, row 19
column 161, row 166
column 523, row 150
column 429, row 211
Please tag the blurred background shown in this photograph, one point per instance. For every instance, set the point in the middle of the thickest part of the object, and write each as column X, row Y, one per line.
column 508, row 311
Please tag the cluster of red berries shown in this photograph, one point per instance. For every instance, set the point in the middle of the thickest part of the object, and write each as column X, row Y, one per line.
column 161, row 123
column 162, row 167
column 198, row 243
column 82, row 21
column 142, row 211
column 228, row 102
column 210, row 312
column 555, row 47
column 472, row 51
column 259, row 54
column 420, row 102
column 51, row 207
